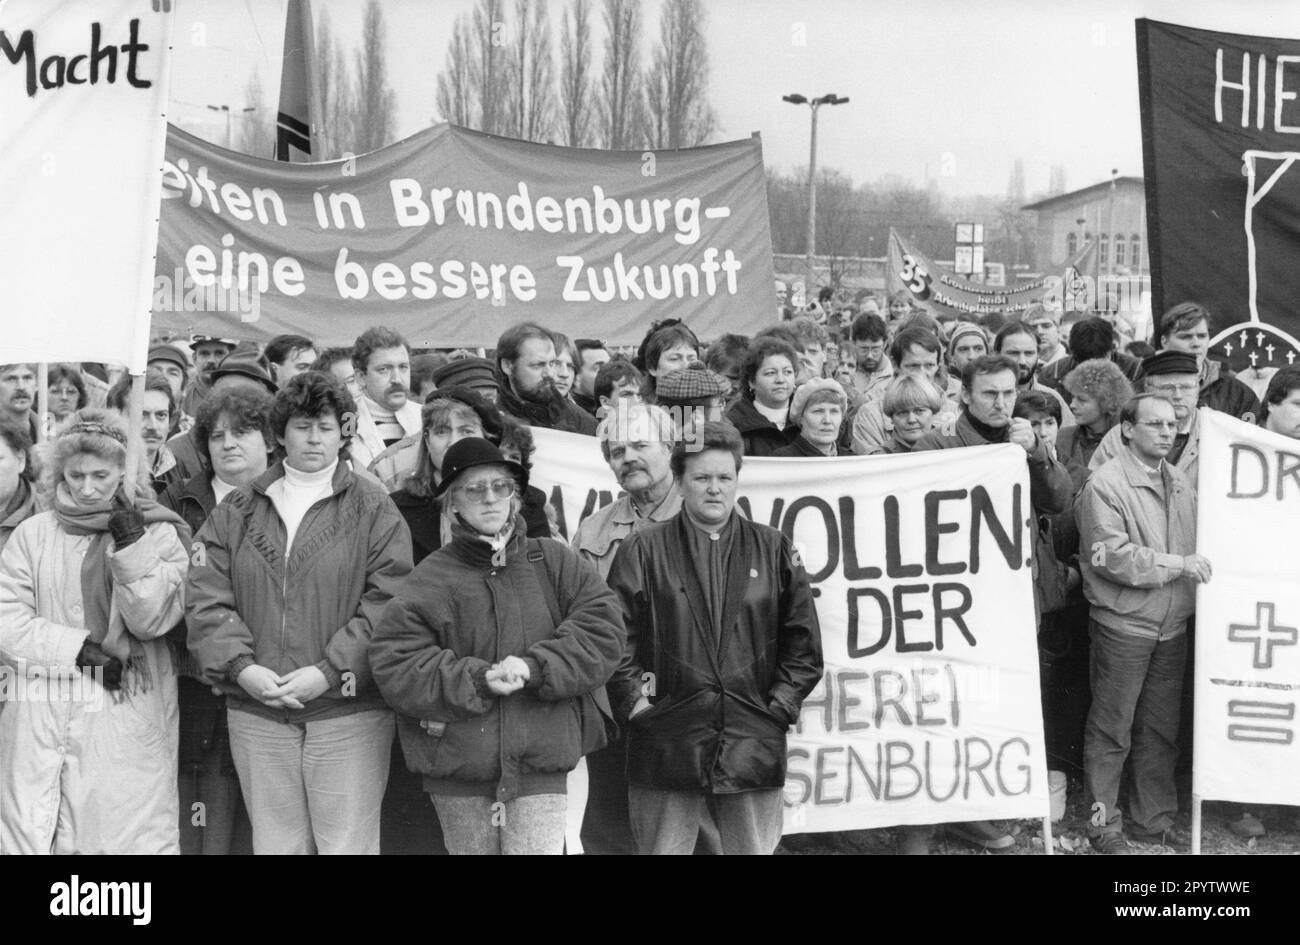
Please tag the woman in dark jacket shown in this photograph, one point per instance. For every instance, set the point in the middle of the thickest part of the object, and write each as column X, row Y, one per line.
column 493, row 652
column 233, row 434
column 817, row 411
column 761, row 415
column 287, row 580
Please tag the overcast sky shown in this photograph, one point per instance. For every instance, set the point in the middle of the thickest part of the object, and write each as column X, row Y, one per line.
column 939, row 89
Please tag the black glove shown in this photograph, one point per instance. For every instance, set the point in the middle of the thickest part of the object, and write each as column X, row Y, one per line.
column 92, row 656
column 125, row 523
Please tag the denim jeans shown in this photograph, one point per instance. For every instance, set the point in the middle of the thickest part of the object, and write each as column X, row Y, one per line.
column 1137, row 683
column 313, row 787
column 481, row 826
column 668, row 822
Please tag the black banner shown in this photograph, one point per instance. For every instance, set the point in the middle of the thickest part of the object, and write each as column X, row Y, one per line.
column 1221, row 148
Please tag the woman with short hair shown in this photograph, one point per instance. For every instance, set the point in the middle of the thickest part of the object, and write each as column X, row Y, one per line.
column 1098, row 391
column 289, row 576
column 233, row 432
column 910, row 404
column 492, row 652
column 88, row 590
column 817, row 410
column 762, row 413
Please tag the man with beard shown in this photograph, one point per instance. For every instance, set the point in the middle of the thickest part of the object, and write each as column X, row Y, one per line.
column 1017, row 341
column 637, row 442
column 526, row 364
column 870, row 336
column 18, row 396
column 385, row 413
column 208, row 353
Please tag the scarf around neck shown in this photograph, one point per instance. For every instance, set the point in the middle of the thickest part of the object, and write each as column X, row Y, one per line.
column 97, row 578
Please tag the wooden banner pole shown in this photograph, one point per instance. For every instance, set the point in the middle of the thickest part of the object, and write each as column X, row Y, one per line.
column 42, row 402
column 1196, row 825
column 134, row 445
column 1047, row 834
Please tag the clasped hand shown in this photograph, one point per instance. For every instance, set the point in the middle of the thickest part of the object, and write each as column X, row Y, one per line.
column 290, row 691
column 507, row 676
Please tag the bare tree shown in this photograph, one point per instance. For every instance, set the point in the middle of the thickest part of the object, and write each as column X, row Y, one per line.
column 678, row 114
column 621, row 111
column 531, row 103
column 455, row 88
column 256, row 127
column 575, row 75
column 376, row 102
column 334, row 82
column 488, row 66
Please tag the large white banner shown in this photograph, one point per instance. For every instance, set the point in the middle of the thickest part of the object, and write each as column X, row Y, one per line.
column 929, row 710
column 83, row 95
column 1248, row 615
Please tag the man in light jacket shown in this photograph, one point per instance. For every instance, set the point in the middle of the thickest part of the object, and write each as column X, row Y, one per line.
column 1137, row 553
column 385, row 411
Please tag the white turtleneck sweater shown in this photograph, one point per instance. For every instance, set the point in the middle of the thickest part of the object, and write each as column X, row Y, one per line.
column 296, row 492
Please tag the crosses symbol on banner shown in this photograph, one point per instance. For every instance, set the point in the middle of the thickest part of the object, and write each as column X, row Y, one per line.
column 1270, row 349
column 1254, row 359
column 1259, row 338
column 1243, row 337
column 1264, row 634
column 1290, row 357
column 1227, row 349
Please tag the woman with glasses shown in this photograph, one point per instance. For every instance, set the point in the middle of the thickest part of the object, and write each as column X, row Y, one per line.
column 492, row 653
column 67, row 392
column 288, row 577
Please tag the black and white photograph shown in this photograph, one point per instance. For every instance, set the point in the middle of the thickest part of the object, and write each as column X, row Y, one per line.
column 652, row 427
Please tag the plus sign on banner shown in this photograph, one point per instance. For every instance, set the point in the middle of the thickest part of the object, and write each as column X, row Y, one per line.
column 1248, row 616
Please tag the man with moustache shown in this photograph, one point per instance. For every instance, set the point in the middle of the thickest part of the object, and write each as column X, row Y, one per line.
column 526, row 363
column 723, row 647
column 18, row 396
column 385, row 413
column 637, row 442
column 1137, row 553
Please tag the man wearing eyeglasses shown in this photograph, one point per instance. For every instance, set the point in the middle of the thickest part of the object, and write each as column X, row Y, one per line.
column 875, row 370
column 1172, row 376
column 1137, row 554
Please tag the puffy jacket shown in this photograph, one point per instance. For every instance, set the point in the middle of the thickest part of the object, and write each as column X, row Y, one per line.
column 246, row 604
column 759, row 434
column 91, row 773
column 711, row 728
column 1221, row 391
column 456, row 615
column 1132, row 541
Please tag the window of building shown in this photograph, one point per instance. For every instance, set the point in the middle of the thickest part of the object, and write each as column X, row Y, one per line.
column 1103, row 248
column 1071, row 245
column 1119, row 249
column 1135, row 251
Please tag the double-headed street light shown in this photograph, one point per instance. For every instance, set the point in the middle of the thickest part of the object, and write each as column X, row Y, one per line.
column 814, row 104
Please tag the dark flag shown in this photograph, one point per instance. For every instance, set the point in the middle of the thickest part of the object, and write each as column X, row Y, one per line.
column 1221, row 148
column 294, row 140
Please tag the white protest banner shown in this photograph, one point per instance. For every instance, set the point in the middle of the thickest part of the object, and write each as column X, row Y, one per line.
column 1248, row 615
column 929, row 710
column 83, row 92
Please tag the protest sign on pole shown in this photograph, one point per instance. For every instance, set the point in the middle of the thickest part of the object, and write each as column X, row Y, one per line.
column 945, row 293
column 83, row 92
column 451, row 236
column 1219, row 146
column 1248, row 615
column 929, row 709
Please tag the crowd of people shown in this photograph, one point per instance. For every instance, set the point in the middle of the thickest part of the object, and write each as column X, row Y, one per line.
column 328, row 611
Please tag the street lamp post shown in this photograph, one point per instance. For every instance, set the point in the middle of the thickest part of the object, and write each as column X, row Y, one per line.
column 229, row 112
column 814, row 104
